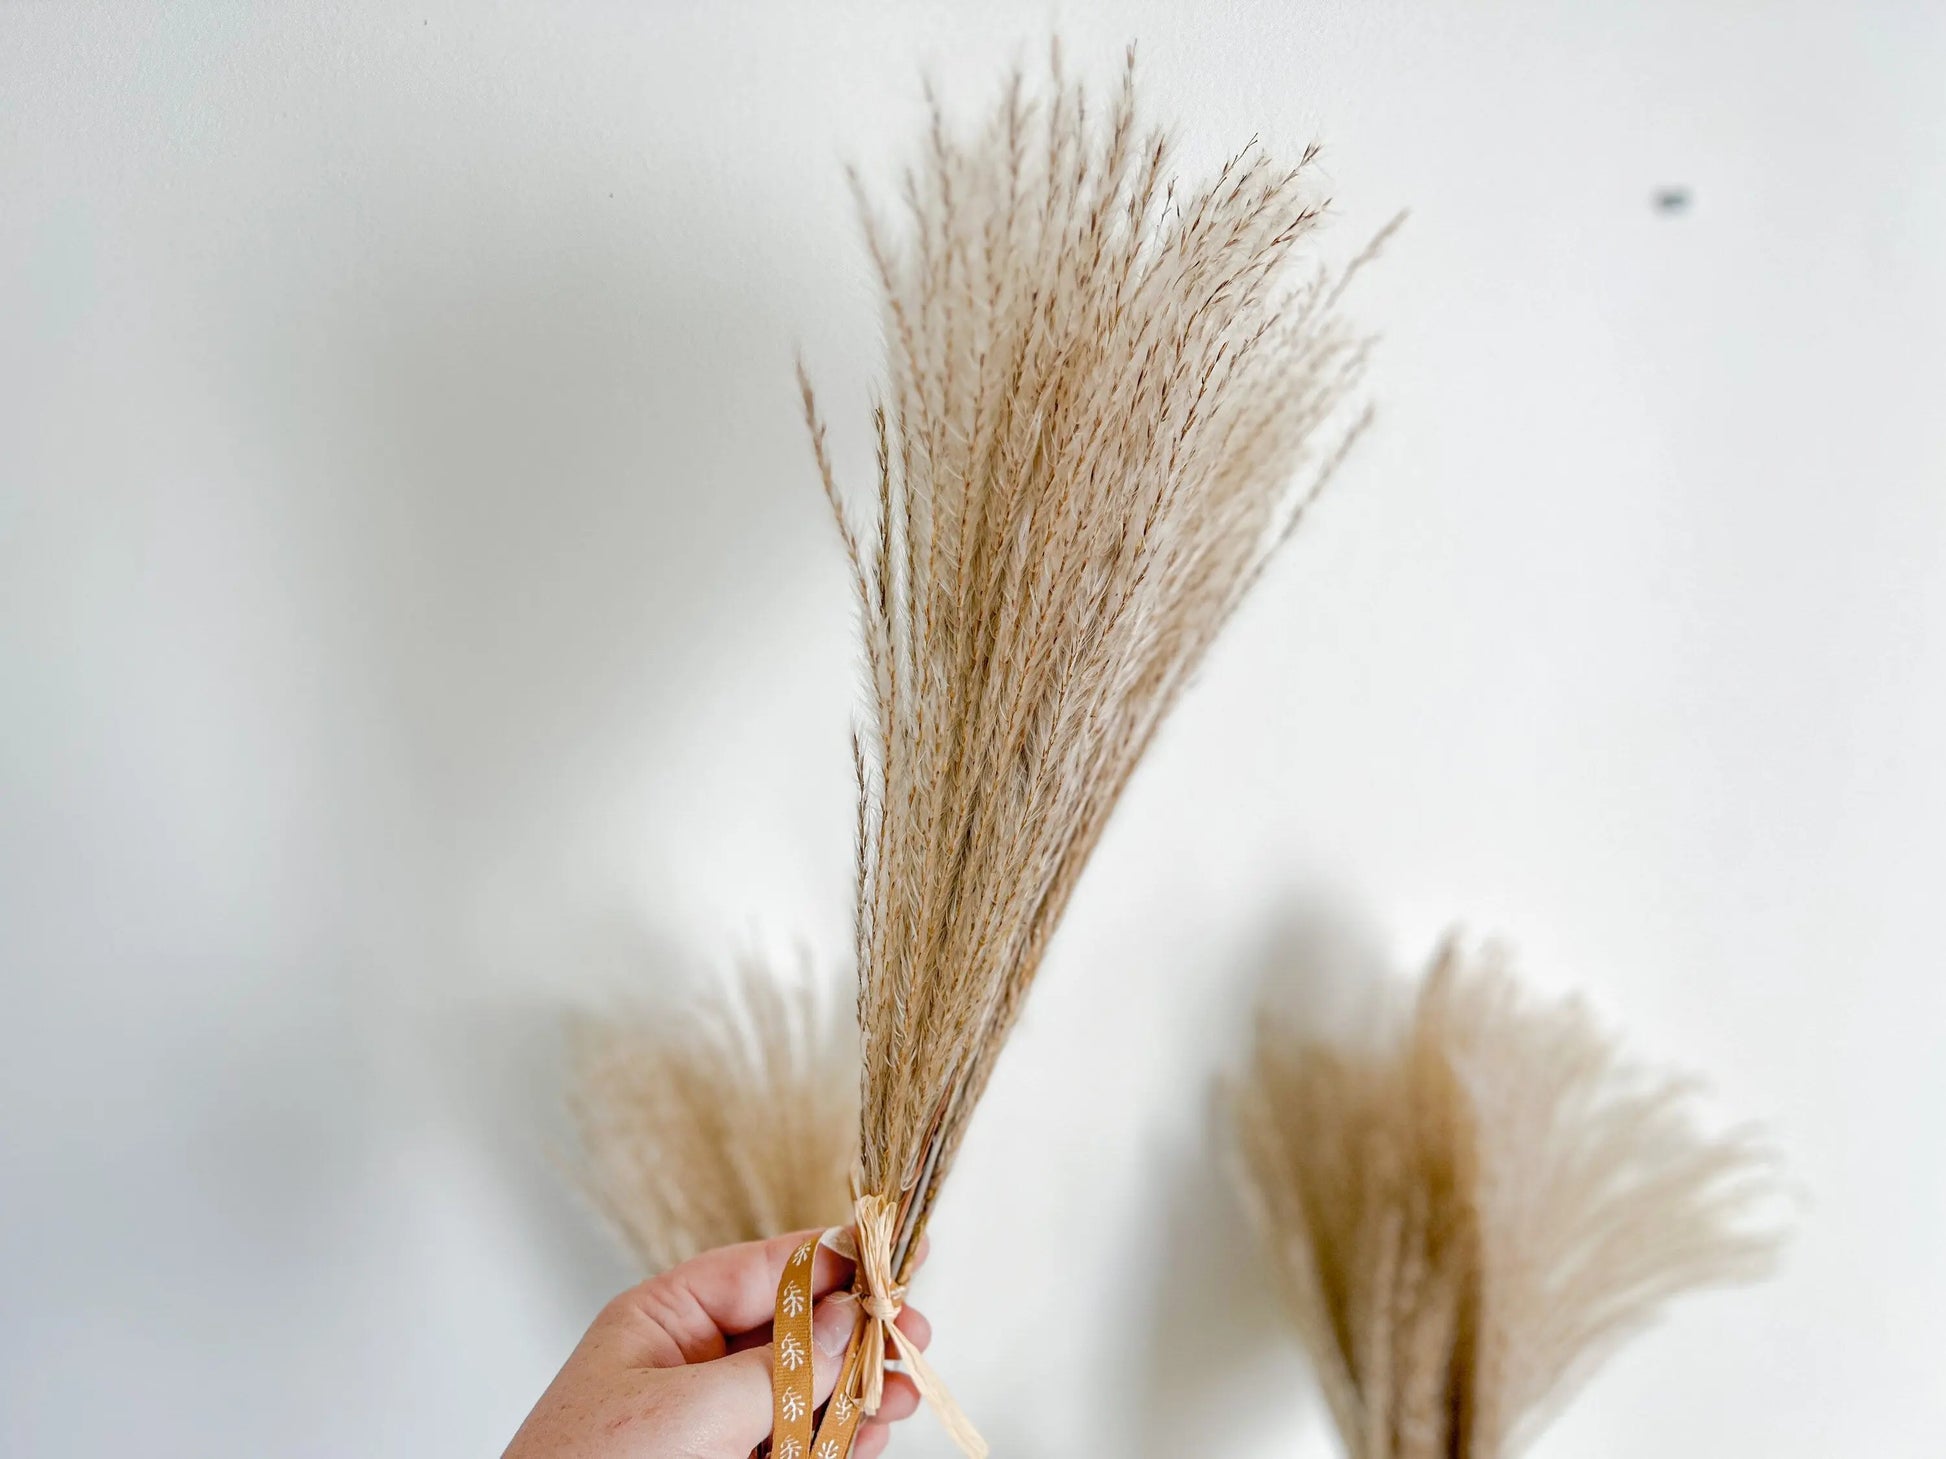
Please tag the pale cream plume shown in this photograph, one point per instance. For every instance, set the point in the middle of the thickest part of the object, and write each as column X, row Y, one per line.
column 1468, row 1216
column 732, row 1118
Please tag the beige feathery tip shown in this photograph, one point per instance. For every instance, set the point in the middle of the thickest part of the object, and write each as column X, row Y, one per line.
column 1109, row 396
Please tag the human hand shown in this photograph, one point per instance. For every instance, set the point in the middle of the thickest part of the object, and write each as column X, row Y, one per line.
column 679, row 1367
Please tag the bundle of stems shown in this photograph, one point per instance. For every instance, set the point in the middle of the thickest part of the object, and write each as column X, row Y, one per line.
column 1109, row 397
column 1468, row 1217
column 729, row 1119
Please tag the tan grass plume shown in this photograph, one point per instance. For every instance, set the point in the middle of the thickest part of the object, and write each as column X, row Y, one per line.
column 727, row 1120
column 1469, row 1216
column 1109, row 396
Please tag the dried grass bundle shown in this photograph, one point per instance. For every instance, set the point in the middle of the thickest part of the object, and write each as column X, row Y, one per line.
column 1470, row 1216
column 727, row 1121
column 1109, row 397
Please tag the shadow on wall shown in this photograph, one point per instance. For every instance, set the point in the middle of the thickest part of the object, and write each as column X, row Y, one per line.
column 508, row 1066
column 587, row 479
column 553, row 483
column 1223, row 1356
column 505, row 1069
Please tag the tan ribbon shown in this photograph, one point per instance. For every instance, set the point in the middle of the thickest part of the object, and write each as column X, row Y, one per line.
column 861, row 1379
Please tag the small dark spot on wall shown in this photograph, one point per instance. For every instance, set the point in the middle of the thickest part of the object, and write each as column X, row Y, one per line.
column 1672, row 200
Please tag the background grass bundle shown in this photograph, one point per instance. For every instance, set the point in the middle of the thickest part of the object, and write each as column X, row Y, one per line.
column 1469, row 1215
column 730, row 1120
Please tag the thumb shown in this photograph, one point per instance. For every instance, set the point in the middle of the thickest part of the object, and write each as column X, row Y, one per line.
column 729, row 1398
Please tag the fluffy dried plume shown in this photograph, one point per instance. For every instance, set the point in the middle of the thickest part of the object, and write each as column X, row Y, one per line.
column 1468, row 1216
column 731, row 1119
column 1109, row 397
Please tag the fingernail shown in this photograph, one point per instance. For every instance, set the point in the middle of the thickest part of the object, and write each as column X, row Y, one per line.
column 831, row 1324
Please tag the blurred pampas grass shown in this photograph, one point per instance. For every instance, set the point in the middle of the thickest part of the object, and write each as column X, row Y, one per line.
column 1109, row 397
column 1470, row 1214
column 732, row 1118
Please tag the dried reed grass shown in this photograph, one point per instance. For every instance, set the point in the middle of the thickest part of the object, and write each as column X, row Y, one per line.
column 1108, row 399
column 732, row 1119
column 1469, row 1216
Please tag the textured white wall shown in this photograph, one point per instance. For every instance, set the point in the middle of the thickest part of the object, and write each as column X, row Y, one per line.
column 416, row 610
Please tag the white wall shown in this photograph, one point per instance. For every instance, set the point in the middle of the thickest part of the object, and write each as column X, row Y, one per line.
column 416, row 611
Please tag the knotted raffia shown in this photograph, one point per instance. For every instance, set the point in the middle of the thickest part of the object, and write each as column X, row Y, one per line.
column 859, row 1388
column 1468, row 1217
column 882, row 1298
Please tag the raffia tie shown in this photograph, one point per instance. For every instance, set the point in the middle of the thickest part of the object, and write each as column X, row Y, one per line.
column 861, row 1380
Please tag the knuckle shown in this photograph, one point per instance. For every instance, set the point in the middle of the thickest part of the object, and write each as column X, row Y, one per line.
column 662, row 1312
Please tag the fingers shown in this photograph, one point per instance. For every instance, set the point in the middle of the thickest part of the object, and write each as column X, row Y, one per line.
column 912, row 1322
column 901, row 1402
column 722, row 1300
column 695, row 1307
column 757, row 1337
column 901, row 1398
column 728, row 1399
column 710, row 1316
column 832, row 1323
